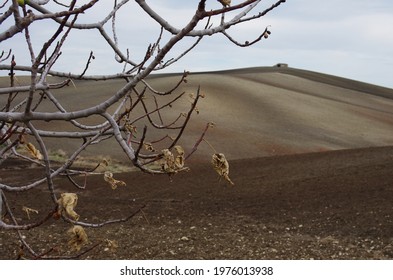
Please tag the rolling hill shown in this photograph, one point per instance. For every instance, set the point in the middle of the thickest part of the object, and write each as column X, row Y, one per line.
column 270, row 111
column 261, row 111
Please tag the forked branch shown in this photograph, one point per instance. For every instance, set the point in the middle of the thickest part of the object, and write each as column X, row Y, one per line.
column 126, row 114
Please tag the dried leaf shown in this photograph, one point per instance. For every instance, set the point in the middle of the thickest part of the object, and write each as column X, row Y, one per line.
column 67, row 202
column 149, row 147
column 108, row 177
column 78, row 237
column 129, row 127
column 29, row 210
column 221, row 165
column 225, row 2
column 33, row 151
column 179, row 160
column 171, row 163
column 179, row 150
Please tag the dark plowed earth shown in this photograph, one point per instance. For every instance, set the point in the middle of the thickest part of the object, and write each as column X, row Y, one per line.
column 326, row 205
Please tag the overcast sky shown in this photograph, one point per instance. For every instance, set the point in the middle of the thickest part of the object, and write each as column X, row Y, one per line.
column 349, row 38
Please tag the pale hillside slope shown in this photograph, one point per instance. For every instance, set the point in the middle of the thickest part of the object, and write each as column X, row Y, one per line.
column 261, row 111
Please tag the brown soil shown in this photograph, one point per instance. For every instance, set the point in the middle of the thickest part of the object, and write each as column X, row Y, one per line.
column 327, row 205
column 322, row 205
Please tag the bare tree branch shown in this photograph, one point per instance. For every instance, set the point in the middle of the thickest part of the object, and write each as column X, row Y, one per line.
column 127, row 114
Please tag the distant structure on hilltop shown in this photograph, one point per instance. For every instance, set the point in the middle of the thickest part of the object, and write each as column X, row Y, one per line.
column 281, row 65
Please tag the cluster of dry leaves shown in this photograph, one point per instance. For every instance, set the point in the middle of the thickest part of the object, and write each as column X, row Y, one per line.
column 173, row 163
column 66, row 204
column 77, row 234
